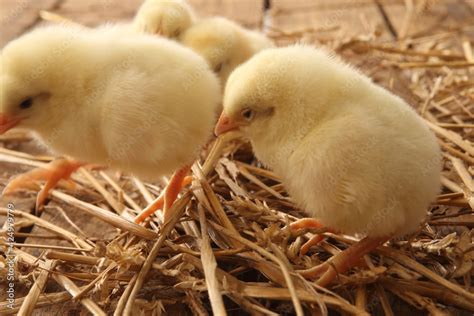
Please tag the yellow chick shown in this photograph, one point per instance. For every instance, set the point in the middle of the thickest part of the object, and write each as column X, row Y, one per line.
column 142, row 104
column 224, row 44
column 354, row 156
column 168, row 18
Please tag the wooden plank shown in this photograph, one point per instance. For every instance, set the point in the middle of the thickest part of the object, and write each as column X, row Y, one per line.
column 342, row 18
column 436, row 15
column 16, row 16
column 93, row 12
column 360, row 17
column 20, row 15
column 298, row 5
column 246, row 12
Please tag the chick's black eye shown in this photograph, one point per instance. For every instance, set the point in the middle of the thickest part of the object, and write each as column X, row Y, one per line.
column 26, row 104
column 248, row 114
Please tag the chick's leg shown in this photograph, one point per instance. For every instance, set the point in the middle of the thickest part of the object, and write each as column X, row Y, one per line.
column 177, row 182
column 343, row 261
column 308, row 223
column 172, row 190
column 60, row 169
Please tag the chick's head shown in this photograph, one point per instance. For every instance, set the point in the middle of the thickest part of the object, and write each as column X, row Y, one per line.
column 168, row 18
column 262, row 96
column 220, row 42
column 34, row 80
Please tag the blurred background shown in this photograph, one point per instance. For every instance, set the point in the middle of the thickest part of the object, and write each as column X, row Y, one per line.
column 385, row 18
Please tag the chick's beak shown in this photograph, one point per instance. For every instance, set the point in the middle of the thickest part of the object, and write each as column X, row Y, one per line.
column 7, row 122
column 224, row 125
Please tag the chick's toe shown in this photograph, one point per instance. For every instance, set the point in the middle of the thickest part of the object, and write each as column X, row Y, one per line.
column 308, row 223
column 57, row 170
column 159, row 202
column 343, row 261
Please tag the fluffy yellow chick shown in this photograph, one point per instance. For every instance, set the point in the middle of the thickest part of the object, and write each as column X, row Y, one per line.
column 169, row 18
column 140, row 103
column 354, row 156
column 224, row 44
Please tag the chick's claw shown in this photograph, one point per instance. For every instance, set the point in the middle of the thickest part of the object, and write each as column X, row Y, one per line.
column 315, row 271
column 308, row 223
column 177, row 182
column 55, row 171
column 305, row 223
column 343, row 261
column 315, row 240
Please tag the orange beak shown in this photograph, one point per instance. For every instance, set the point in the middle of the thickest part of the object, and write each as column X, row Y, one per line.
column 224, row 125
column 7, row 122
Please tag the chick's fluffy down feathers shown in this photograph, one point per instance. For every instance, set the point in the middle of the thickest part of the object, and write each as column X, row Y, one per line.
column 223, row 43
column 138, row 103
column 350, row 153
column 165, row 17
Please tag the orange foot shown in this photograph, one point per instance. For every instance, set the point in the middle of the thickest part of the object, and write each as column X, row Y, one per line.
column 308, row 223
column 60, row 169
column 167, row 197
column 343, row 261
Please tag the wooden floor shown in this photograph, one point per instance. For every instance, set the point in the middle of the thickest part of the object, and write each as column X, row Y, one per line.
column 351, row 16
column 346, row 17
